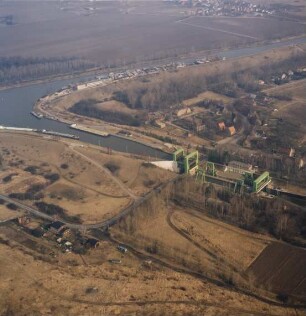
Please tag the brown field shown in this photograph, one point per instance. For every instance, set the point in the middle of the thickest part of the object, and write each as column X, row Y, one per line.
column 85, row 187
column 32, row 286
column 6, row 214
column 232, row 244
column 136, row 175
column 281, row 268
column 191, row 239
column 194, row 252
column 110, row 36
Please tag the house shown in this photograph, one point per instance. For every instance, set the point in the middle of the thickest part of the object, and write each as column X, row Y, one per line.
column 24, row 220
column 183, row 111
column 221, row 126
column 56, row 227
column 200, row 127
column 159, row 124
column 232, row 130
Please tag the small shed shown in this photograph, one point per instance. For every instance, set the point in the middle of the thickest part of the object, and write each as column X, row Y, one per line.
column 232, row 130
column 221, row 126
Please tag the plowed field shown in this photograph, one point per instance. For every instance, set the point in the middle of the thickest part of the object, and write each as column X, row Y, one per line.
column 282, row 268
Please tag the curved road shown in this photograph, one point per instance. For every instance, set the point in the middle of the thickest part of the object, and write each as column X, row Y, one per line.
column 101, row 225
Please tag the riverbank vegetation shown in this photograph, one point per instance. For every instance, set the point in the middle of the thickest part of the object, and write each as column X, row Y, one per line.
column 17, row 69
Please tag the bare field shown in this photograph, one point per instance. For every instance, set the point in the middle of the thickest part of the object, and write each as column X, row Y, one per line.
column 190, row 239
column 134, row 173
column 232, row 244
column 100, row 288
column 6, row 214
column 81, row 187
column 110, row 36
column 281, row 267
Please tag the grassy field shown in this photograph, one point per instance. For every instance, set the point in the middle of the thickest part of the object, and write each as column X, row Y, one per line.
column 101, row 288
column 82, row 189
column 191, row 239
column 294, row 110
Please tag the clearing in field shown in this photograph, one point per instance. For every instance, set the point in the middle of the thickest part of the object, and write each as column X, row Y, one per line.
column 294, row 109
column 207, row 95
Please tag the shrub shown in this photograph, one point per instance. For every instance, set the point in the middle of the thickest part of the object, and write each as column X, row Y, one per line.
column 112, row 166
column 31, row 169
column 12, row 206
column 52, row 177
column 283, row 297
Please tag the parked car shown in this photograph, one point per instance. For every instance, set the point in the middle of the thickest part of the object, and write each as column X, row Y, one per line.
column 122, row 249
column 116, row 261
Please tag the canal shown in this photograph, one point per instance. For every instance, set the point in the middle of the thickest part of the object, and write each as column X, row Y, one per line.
column 16, row 105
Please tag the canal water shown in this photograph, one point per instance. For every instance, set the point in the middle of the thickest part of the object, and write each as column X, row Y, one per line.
column 16, row 105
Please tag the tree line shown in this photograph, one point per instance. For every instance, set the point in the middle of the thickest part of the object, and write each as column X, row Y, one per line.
column 17, row 69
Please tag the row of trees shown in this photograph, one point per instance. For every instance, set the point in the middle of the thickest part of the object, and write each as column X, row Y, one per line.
column 17, row 69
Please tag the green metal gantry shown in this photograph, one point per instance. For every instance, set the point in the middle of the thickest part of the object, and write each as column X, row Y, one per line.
column 178, row 154
column 208, row 169
column 191, row 162
column 186, row 163
column 261, row 181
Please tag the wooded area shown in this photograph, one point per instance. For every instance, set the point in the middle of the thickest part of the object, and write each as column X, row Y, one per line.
column 17, row 69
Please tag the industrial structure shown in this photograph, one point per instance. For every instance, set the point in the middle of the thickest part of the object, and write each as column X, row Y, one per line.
column 236, row 176
column 188, row 163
